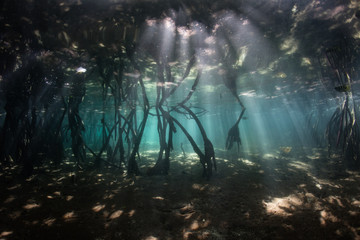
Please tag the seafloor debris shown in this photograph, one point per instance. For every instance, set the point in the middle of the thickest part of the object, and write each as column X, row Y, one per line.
column 285, row 150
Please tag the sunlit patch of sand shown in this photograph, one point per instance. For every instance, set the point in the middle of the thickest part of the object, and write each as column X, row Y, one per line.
column 186, row 212
column 158, row 198
column 231, row 165
column 318, row 181
column 199, row 229
column 14, row 187
column 60, row 179
column 194, row 225
column 283, row 206
column 68, row 198
column 192, row 155
column 285, row 150
column 248, row 162
column 116, row 214
column 205, row 187
column 108, row 196
column 356, row 203
column 321, row 182
column 354, row 174
column 353, row 213
column 98, row 208
column 6, row 233
column 151, row 238
column 300, row 165
column 49, row 221
column 31, row 206
column 268, row 156
column 315, row 156
column 225, row 160
column 335, row 200
column 150, row 153
column 197, row 186
column 69, row 216
column 131, row 213
column 10, row 199
column 327, row 216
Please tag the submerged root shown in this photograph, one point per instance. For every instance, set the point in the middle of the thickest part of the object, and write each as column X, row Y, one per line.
column 233, row 136
column 343, row 133
column 183, row 151
column 234, row 133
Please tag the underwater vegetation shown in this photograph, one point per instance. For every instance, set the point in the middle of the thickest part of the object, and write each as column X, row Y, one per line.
column 178, row 112
column 45, row 88
column 130, row 67
column 343, row 129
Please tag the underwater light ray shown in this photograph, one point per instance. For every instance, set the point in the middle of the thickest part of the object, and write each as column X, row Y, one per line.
column 235, row 51
column 258, row 128
column 150, row 36
column 198, row 44
column 297, row 117
column 183, row 36
column 234, row 30
column 167, row 29
column 249, row 44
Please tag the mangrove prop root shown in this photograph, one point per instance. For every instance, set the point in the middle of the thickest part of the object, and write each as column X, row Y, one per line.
column 208, row 147
column 132, row 164
column 342, row 130
column 233, row 136
column 234, row 133
column 183, row 151
column 193, row 144
column 162, row 164
column 343, row 133
column 164, row 119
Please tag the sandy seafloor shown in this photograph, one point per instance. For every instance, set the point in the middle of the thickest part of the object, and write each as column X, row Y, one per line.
column 279, row 195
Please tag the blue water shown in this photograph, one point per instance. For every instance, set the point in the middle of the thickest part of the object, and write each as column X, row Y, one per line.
column 281, row 119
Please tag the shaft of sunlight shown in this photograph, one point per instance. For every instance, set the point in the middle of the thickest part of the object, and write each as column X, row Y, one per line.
column 167, row 28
